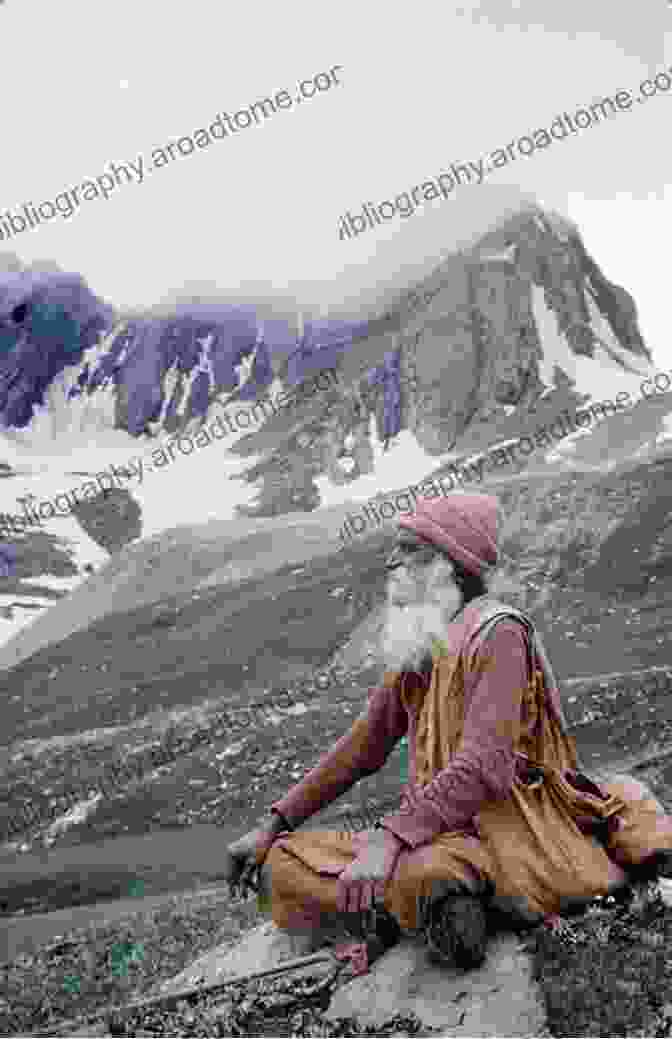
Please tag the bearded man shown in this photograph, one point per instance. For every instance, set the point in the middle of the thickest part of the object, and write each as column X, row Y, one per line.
column 496, row 815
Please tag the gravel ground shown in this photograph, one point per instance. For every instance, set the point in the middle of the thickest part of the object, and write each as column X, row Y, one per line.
column 278, row 1009
column 114, row 965
column 609, row 973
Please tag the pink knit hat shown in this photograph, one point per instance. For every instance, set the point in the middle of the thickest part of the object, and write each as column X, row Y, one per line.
column 463, row 525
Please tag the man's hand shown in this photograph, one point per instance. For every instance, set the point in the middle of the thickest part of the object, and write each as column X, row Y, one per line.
column 363, row 881
column 246, row 856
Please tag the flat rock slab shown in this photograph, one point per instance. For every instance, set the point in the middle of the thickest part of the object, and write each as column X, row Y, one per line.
column 498, row 999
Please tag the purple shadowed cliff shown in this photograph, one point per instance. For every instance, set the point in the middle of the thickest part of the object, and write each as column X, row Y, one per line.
column 47, row 321
column 388, row 375
column 160, row 368
column 475, row 332
column 320, row 347
column 8, row 557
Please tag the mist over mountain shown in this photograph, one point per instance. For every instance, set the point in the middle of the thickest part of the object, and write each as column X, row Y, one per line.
column 515, row 324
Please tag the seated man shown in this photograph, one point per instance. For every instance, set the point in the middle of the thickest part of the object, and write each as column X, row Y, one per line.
column 496, row 812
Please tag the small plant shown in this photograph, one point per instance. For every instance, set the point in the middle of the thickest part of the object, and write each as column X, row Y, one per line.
column 71, row 983
column 403, row 756
column 124, row 953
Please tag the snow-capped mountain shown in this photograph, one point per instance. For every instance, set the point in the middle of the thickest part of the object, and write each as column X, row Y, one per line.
column 520, row 321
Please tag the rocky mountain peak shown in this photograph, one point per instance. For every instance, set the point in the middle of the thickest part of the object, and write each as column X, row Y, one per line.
column 468, row 344
column 462, row 347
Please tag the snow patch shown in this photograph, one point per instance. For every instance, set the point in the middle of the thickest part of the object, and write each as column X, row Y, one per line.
column 234, row 748
column 566, row 448
column 602, row 377
column 404, row 463
column 507, row 255
column 79, row 813
column 37, row 746
column 191, row 489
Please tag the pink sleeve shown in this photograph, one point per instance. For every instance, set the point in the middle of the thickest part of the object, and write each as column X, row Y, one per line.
column 360, row 752
column 483, row 767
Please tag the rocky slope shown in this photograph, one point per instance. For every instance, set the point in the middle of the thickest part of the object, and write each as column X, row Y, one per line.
column 197, row 700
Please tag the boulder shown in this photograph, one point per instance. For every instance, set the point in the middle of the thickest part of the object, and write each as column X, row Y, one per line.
column 500, row 998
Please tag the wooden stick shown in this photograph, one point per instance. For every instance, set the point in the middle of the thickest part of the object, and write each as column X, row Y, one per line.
column 169, row 1000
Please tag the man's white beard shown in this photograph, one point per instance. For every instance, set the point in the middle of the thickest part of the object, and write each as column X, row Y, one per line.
column 409, row 631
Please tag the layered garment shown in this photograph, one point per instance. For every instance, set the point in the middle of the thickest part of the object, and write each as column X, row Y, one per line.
column 495, row 801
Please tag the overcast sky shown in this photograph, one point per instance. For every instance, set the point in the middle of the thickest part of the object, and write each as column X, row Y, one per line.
column 422, row 85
